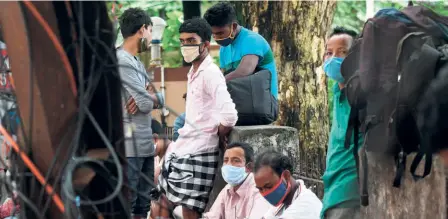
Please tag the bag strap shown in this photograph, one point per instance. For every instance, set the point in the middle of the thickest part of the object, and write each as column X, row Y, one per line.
column 401, row 167
column 363, row 187
column 425, row 151
column 353, row 129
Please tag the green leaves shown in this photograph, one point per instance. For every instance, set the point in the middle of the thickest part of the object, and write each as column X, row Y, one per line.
column 172, row 12
column 351, row 14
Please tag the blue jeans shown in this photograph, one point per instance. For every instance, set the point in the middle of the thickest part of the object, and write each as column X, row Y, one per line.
column 140, row 205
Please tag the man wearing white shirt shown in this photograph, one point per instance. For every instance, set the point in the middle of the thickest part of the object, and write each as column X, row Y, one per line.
column 290, row 199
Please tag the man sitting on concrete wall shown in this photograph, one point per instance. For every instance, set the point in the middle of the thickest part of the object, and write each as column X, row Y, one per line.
column 243, row 53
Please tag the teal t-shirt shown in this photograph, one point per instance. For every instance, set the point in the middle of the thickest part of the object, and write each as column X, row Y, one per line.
column 340, row 177
column 249, row 43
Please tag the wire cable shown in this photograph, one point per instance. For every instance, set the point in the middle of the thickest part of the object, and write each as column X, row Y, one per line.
column 27, row 161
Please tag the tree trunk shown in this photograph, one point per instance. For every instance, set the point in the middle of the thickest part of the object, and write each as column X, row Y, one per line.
column 421, row 199
column 296, row 31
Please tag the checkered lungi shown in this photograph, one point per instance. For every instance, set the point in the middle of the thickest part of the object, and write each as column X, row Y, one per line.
column 188, row 180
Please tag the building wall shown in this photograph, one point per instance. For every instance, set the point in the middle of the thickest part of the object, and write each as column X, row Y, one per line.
column 175, row 87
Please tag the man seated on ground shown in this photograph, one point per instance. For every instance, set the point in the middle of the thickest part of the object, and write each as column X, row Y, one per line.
column 240, row 198
column 179, row 122
column 191, row 162
column 290, row 199
column 242, row 50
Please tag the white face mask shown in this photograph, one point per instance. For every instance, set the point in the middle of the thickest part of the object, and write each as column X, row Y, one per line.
column 190, row 53
column 147, row 34
column 145, row 40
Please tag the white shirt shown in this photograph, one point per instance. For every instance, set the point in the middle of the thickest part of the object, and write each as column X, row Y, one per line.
column 305, row 205
column 208, row 105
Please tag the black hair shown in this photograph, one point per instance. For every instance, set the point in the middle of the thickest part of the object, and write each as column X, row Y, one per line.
column 184, row 96
column 274, row 159
column 342, row 30
column 198, row 26
column 220, row 14
column 248, row 150
column 132, row 20
column 156, row 127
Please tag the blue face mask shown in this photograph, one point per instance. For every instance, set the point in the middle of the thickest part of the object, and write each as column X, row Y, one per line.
column 332, row 68
column 277, row 194
column 234, row 176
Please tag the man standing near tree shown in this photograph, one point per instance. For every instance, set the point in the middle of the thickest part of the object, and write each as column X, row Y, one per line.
column 136, row 28
column 341, row 194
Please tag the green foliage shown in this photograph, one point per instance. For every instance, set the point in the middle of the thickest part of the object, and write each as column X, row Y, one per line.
column 172, row 12
column 352, row 14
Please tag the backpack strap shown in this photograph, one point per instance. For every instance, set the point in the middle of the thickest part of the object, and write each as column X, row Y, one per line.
column 363, row 187
column 401, row 167
column 425, row 151
column 353, row 129
column 353, row 126
column 365, row 172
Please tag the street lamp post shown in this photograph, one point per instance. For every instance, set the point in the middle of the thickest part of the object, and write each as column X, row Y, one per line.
column 156, row 57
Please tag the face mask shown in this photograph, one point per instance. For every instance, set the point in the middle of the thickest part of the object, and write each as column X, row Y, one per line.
column 190, row 52
column 233, row 175
column 143, row 46
column 332, row 68
column 277, row 194
column 145, row 41
column 226, row 41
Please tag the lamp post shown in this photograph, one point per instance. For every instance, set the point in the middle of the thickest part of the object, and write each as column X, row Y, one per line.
column 157, row 32
column 158, row 26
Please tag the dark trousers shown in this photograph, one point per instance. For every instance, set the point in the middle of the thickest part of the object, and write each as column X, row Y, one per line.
column 140, row 205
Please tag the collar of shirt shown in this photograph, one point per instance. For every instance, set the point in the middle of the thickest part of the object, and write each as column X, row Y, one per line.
column 248, row 183
column 205, row 63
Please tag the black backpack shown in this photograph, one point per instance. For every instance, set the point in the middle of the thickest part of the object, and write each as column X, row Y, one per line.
column 387, row 70
column 253, row 99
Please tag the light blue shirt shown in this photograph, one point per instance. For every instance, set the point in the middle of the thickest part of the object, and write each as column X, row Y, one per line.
column 178, row 124
column 248, row 42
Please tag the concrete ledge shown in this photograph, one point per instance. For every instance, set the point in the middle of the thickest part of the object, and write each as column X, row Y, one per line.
column 281, row 138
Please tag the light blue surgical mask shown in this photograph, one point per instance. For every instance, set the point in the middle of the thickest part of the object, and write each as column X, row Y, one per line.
column 234, row 176
column 332, row 68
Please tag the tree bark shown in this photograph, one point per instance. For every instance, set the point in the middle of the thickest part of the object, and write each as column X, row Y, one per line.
column 296, row 31
column 421, row 199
